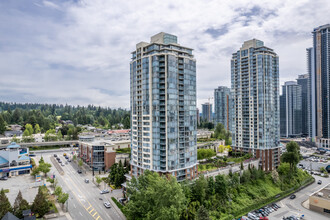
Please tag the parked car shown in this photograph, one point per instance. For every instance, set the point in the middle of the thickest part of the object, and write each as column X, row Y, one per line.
column 3, row 178
column 252, row 216
column 122, row 200
column 107, row 205
column 55, row 155
column 319, row 182
column 86, row 180
column 64, row 154
column 79, row 171
column 104, row 191
column 292, row 196
column 69, row 160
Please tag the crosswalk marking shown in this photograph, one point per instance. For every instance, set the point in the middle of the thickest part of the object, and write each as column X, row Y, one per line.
column 97, row 218
column 88, row 207
column 94, row 214
column 91, row 211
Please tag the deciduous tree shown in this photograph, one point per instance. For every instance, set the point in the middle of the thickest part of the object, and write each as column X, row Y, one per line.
column 154, row 197
column 292, row 155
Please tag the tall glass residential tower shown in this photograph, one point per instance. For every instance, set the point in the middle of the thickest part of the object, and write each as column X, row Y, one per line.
column 291, row 109
column 222, row 106
column 303, row 82
column 255, row 91
column 207, row 112
column 163, row 108
column 319, row 75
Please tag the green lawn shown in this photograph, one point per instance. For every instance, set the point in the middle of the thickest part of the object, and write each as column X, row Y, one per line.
column 123, row 151
column 206, row 167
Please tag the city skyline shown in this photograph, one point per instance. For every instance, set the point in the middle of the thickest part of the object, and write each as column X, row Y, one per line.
column 73, row 51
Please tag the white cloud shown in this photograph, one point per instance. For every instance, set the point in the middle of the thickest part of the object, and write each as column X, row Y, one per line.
column 65, row 55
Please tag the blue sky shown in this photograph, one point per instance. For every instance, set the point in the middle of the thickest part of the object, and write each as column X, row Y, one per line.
column 78, row 52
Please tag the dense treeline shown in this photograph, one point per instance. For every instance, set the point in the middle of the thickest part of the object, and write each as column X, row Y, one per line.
column 48, row 115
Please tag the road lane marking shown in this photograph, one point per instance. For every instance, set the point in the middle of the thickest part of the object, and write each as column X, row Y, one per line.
column 79, row 200
column 74, row 206
column 80, row 214
column 88, row 207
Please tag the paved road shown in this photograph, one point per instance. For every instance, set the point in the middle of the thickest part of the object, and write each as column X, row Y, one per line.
column 84, row 201
column 294, row 206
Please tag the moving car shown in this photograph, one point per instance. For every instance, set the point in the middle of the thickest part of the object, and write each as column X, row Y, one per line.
column 79, row 171
column 107, row 205
column 104, row 191
column 292, row 196
column 86, row 180
column 319, row 182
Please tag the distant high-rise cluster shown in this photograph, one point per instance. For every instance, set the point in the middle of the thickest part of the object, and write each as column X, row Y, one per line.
column 164, row 113
column 163, row 108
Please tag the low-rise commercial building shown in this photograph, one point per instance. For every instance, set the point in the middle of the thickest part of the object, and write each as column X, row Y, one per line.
column 14, row 160
column 320, row 200
column 96, row 153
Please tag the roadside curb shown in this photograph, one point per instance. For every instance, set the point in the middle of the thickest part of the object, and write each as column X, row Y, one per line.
column 117, row 209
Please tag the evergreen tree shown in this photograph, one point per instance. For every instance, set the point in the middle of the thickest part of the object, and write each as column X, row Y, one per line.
column 20, row 205
column 40, row 204
column 2, row 125
column 4, row 204
column 18, row 201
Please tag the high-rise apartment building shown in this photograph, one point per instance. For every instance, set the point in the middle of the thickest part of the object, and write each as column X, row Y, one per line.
column 163, row 108
column 207, row 112
column 255, row 92
column 318, row 63
column 222, row 106
column 303, row 82
column 291, row 110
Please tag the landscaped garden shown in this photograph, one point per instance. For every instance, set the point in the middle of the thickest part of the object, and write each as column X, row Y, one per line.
column 208, row 163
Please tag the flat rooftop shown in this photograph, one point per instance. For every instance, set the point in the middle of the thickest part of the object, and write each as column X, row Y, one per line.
column 323, row 193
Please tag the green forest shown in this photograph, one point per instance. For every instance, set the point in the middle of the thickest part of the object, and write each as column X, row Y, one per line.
column 47, row 116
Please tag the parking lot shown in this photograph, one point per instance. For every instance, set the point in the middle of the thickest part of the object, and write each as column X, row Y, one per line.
column 25, row 183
